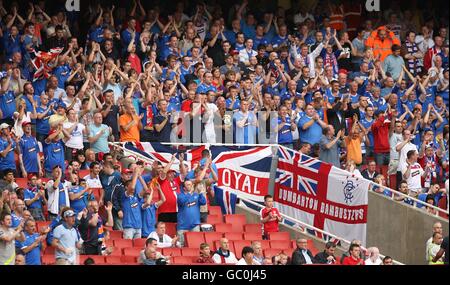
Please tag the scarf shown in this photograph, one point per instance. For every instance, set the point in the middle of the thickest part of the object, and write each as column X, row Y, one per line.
column 330, row 59
column 413, row 64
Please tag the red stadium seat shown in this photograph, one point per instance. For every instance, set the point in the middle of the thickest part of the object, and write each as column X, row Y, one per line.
column 125, row 259
column 139, row 242
column 269, row 252
column 279, row 236
column 194, row 239
column 294, row 243
column 233, row 236
column 239, row 245
column 122, row 243
column 253, row 228
column 280, row 244
column 393, row 181
column 42, row 225
column 443, row 205
column 224, row 228
column 214, row 219
column 171, row 251
column 215, row 210
column 264, row 244
column 22, row 182
column 252, row 236
column 48, row 259
column 171, row 229
column 115, row 234
column 116, row 251
column 131, row 251
column 184, row 260
column 288, row 251
column 188, row 251
column 210, row 237
column 113, row 260
column 237, row 221
column 98, row 259
column 384, row 170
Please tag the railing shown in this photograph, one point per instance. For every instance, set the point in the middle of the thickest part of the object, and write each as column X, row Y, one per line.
column 392, row 197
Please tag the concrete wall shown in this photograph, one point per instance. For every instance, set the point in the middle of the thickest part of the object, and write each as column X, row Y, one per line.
column 399, row 230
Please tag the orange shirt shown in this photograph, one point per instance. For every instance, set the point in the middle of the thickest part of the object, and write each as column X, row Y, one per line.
column 132, row 135
column 354, row 149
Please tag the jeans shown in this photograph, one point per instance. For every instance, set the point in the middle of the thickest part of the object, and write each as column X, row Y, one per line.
column 117, row 222
column 382, row 158
column 180, row 234
column 132, row 233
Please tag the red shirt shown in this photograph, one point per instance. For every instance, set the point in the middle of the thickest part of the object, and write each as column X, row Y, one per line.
column 270, row 226
column 351, row 261
column 170, row 190
column 380, row 131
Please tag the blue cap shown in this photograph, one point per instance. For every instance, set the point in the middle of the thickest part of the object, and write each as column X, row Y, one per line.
column 61, row 105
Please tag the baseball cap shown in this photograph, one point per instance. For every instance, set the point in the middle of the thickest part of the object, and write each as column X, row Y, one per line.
column 25, row 123
column 61, row 105
column 4, row 126
column 234, row 52
column 343, row 71
column 126, row 171
column 69, row 213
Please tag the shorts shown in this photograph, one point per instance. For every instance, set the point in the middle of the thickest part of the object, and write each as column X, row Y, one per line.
column 130, row 233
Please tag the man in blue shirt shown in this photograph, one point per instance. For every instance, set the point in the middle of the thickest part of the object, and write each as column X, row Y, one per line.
column 310, row 126
column 131, row 208
column 34, row 198
column 7, row 100
column 54, row 151
column 188, row 217
column 206, row 86
column 245, row 124
column 7, row 148
column 126, row 35
column 32, row 245
column 30, row 162
column 259, row 38
column 149, row 210
column 44, row 110
column 248, row 25
column 285, row 126
column 62, row 71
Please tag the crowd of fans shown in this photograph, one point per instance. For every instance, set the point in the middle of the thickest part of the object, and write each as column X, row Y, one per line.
column 355, row 89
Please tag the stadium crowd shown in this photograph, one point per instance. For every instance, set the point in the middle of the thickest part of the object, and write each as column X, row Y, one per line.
column 364, row 91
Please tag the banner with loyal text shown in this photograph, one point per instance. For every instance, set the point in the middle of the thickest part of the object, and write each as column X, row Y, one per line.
column 245, row 170
column 321, row 195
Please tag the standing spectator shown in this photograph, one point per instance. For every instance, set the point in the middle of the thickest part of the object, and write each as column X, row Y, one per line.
column 270, row 217
column 54, row 151
column 223, row 254
column 353, row 142
column 189, row 203
column 34, row 198
column 58, row 193
column 374, row 256
column 205, row 254
column 7, row 237
column 131, row 207
column 432, row 52
column 247, row 257
column 163, row 240
column 99, row 134
column 381, row 41
column 32, row 245
column 327, row 256
column 354, row 258
column 380, row 131
column 310, row 126
column 30, row 162
column 412, row 54
column 130, row 123
column 302, row 255
column 163, row 122
column 79, row 193
column 285, row 126
column 149, row 211
column 66, row 240
column 412, row 172
column 245, row 124
column 403, row 148
column 8, row 145
column 329, row 146
column 371, row 171
column 393, row 63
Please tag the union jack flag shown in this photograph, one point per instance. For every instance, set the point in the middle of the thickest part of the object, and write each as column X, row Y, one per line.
column 42, row 62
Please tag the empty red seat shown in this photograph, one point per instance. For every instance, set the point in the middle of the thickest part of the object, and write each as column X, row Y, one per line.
column 253, row 228
column 264, row 244
column 270, row 252
column 171, row 229
column 393, row 181
column 239, row 245
column 215, row 210
column 115, row 234
column 279, row 236
column 193, row 239
column 280, row 244
column 116, row 251
column 48, row 259
column 252, row 236
column 210, row 237
column 288, row 251
column 171, row 251
column 122, row 243
column 185, row 260
column 113, row 260
column 131, row 251
column 98, row 259
column 443, row 205
column 214, row 219
column 233, row 236
column 125, row 259
column 188, row 251
column 139, row 242
column 237, row 221
column 224, row 228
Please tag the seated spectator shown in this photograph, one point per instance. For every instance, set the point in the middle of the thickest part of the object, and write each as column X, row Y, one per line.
column 350, row 166
column 433, row 249
column 163, row 240
column 247, row 257
column 437, row 228
column 403, row 188
column 347, row 253
column 258, row 255
column 443, row 250
column 387, row 260
column 223, row 254
column 302, row 255
column 374, row 256
column 371, row 171
column 327, row 256
column 205, row 254
column 20, row 259
column 354, row 257
column 279, row 259
column 143, row 255
column 270, row 217
column 383, row 189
